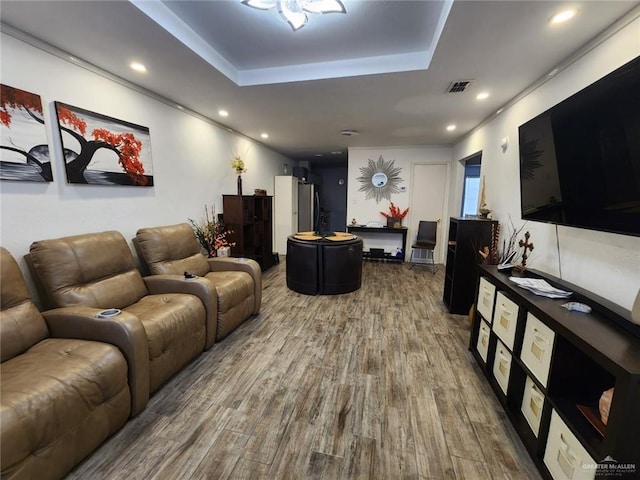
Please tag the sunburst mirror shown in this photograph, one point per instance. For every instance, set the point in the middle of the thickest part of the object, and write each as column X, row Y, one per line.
column 379, row 179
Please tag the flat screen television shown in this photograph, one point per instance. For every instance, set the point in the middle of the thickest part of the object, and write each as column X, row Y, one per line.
column 580, row 160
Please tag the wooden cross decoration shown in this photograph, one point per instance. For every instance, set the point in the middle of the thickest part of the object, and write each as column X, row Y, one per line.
column 526, row 246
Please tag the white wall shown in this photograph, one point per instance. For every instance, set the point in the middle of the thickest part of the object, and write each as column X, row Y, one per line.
column 606, row 264
column 367, row 210
column 191, row 159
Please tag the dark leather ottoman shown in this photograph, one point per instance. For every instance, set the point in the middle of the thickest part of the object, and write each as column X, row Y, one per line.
column 324, row 267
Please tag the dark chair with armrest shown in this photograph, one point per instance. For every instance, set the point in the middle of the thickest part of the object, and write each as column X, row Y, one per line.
column 92, row 272
column 235, row 284
column 61, row 396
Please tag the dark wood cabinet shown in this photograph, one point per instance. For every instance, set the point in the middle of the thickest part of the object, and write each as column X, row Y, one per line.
column 250, row 217
column 466, row 238
column 549, row 367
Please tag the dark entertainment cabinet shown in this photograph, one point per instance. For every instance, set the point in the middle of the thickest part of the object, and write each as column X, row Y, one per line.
column 549, row 366
column 466, row 237
column 250, row 218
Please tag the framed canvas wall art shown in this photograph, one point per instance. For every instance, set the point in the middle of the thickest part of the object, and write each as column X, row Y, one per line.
column 98, row 149
column 24, row 150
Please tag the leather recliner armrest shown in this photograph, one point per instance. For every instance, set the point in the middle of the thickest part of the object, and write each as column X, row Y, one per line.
column 124, row 331
column 221, row 264
column 202, row 288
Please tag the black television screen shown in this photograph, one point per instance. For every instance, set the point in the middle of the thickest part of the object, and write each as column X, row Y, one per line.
column 580, row 160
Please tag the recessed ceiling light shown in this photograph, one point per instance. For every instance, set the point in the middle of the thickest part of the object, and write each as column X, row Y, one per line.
column 318, row 155
column 451, row 128
column 562, row 17
column 138, row 67
column 264, row 135
column 349, row 133
column 336, row 153
column 179, row 107
column 223, row 113
column 482, row 96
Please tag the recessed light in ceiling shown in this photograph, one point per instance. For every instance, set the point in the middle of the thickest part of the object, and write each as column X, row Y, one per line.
column 264, row 135
column 318, row 155
column 336, row 153
column 562, row 17
column 482, row 96
column 451, row 128
column 223, row 113
column 349, row 133
column 138, row 67
column 179, row 107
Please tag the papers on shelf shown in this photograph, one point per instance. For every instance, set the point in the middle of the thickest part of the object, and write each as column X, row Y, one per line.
column 540, row 287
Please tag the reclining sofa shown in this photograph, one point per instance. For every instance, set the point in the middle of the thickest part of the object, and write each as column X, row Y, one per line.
column 89, row 273
column 61, row 395
column 230, row 288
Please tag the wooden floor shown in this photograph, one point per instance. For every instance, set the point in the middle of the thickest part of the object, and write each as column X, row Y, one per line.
column 374, row 384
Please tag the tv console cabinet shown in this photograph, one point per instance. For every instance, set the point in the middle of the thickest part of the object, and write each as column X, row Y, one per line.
column 549, row 366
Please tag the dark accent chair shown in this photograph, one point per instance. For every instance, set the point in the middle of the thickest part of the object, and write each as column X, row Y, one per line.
column 425, row 245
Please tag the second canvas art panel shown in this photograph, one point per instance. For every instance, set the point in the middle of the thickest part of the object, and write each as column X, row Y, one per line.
column 103, row 150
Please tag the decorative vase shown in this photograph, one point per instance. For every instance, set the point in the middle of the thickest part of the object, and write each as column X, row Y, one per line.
column 239, row 185
column 393, row 222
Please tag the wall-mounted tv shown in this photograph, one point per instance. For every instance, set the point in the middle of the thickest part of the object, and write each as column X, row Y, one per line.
column 580, row 160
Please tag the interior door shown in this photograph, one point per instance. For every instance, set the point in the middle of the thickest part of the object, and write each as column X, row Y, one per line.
column 427, row 203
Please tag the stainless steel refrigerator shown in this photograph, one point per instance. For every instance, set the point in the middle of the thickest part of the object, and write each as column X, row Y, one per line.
column 307, row 207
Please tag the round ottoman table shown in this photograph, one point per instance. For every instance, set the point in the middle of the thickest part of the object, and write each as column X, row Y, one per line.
column 324, row 265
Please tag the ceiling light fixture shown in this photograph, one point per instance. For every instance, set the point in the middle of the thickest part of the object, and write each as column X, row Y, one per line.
column 223, row 113
column 482, row 96
column 349, row 133
column 264, row 135
column 294, row 12
column 138, row 67
column 451, row 128
column 562, row 17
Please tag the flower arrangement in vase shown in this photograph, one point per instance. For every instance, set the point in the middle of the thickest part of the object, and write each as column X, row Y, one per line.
column 210, row 233
column 395, row 216
column 238, row 165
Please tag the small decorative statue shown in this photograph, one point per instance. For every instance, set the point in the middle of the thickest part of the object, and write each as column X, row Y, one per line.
column 525, row 246
column 483, row 210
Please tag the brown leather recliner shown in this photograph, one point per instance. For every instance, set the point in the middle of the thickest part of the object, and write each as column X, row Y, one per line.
column 92, row 272
column 59, row 397
column 234, row 285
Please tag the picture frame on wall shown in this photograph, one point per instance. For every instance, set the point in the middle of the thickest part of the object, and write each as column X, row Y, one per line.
column 102, row 150
column 24, row 149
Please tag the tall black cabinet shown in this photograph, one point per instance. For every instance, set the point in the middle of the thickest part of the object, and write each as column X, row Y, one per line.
column 250, row 217
column 466, row 237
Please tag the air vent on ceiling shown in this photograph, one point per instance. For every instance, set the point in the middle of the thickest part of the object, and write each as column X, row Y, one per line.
column 458, row 86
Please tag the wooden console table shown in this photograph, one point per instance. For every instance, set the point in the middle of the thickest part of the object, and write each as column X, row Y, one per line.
column 357, row 229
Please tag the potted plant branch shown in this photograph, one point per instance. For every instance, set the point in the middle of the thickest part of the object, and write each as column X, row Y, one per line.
column 211, row 234
column 395, row 216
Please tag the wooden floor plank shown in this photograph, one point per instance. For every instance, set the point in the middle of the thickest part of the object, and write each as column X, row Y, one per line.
column 374, row 384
